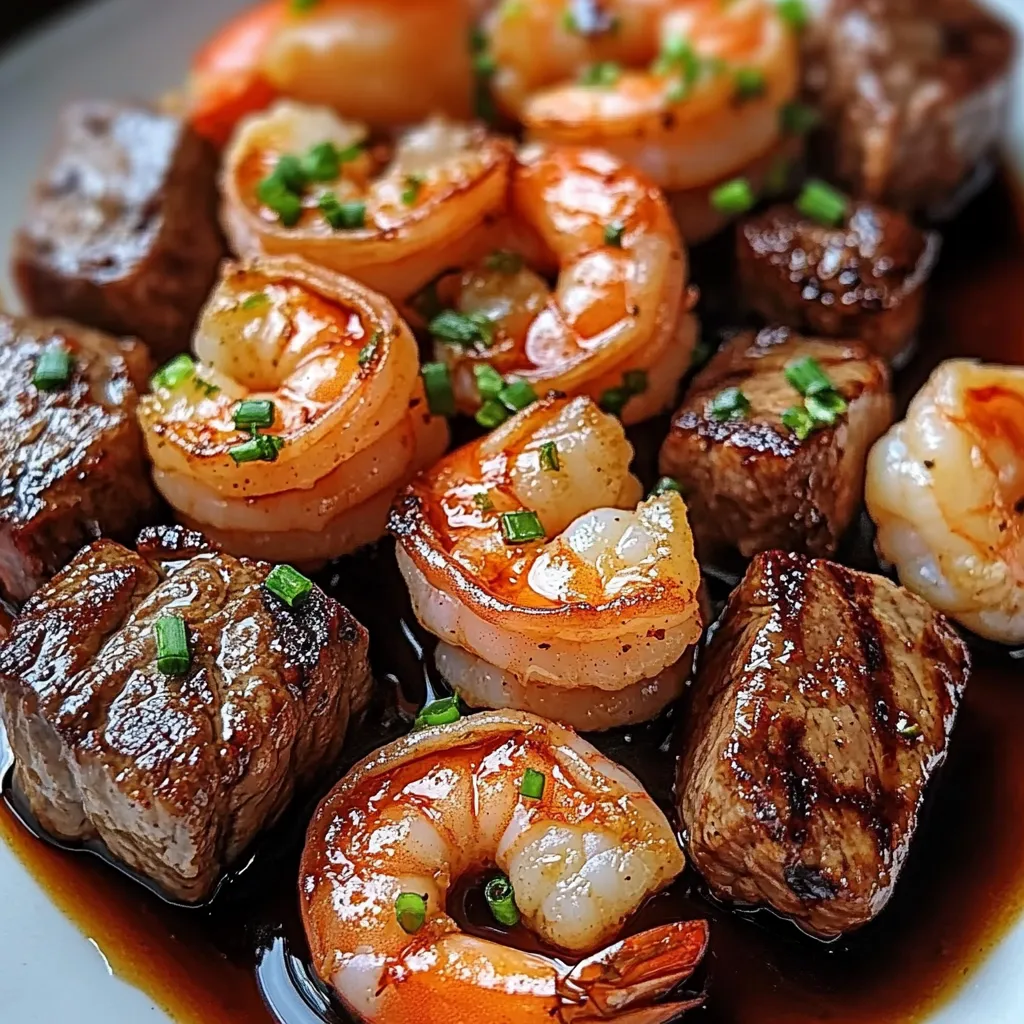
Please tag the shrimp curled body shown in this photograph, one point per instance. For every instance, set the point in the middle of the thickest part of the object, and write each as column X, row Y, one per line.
column 444, row 802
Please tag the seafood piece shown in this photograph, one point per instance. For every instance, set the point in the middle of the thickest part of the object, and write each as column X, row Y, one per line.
column 393, row 217
column 330, row 373
column 691, row 92
column 527, row 551
column 582, row 849
column 863, row 279
column 175, row 754
column 945, row 488
column 770, row 443
column 403, row 61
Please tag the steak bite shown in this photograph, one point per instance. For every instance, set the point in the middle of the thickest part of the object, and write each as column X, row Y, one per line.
column 175, row 773
column 122, row 233
column 751, row 481
column 864, row 280
column 72, row 462
column 820, row 710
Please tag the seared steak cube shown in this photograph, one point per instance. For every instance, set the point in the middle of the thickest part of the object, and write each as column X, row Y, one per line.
column 175, row 773
column 751, row 482
column 820, row 710
column 865, row 280
column 72, row 462
column 122, row 233
column 914, row 95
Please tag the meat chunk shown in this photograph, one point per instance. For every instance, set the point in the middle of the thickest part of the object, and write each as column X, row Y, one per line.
column 175, row 773
column 865, row 280
column 72, row 461
column 750, row 482
column 820, row 710
column 122, row 234
column 915, row 97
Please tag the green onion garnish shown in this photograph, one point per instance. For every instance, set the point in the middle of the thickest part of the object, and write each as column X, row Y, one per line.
column 253, row 413
column 504, row 262
column 261, row 448
column 823, row 203
column 411, row 192
column 908, row 730
column 569, row 22
column 53, row 369
column 678, row 54
column 439, row 712
column 825, row 408
column 635, row 381
column 777, row 178
column 729, row 404
column 521, row 527
column 301, row 6
column 411, row 911
column 666, row 485
column 178, row 370
column 290, row 173
column 547, row 455
column 172, row 657
column 276, row 196
column 799, row 421
column 289, row 585
column 349, row 215
column 517, row 395
column 369, row 350
column 807, row 376
column 532, row 785
column 613, row 400
column 733, row 197
column 798, row 118
column 794, row 13
column 491, row 414
column 482, row 500
column 255, row 301
column 749, row 83
column 489, row 383
column 322, row 162
column 437, row 382
column 613, row 234
column 501, row 900
column 463, row 329
column 602, row 75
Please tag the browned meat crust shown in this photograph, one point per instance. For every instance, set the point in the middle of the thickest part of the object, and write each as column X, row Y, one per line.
column 72, row 463
column 750, row 483
column 176, row 774
column 123, row 233
column 820, row 710
column 864, row 281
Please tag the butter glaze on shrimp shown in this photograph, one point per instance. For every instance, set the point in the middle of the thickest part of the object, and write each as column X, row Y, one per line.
column 945, row 488
column 445, row 801
column 341, row 370
column 606, row 600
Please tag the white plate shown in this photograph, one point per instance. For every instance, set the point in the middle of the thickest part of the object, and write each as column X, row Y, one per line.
column 49, row 972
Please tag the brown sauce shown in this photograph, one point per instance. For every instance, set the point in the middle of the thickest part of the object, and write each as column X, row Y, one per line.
column 242, row 958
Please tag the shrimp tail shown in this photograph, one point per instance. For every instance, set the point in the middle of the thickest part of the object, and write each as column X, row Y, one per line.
column 622, row 982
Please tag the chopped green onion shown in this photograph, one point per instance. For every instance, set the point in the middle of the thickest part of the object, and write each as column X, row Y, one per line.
column 825, row 407
column 677, row 91
column 799, row 421
column 411, row 911
column 53, row 369
column 908, row 730
column 777, row 178
column 807, row 376
column 569, row 22
column 794, row 13
column 369, row 350
column 602, row 75
column 635, row 381
column 547, row 454
column 253, row 413
column 501, row 900
column 255, row 301
column 301, row 6
column 350, row 214
column 517, row 395
column 411, row 192
column 178, row 370
column 437, row 382
column 729, row 404
column 512, row 8
column 206, row 387
column 823, row 203
column 439, row 712
column 172, row 657
column 322, row 162
column 666, row 485
column 491, row 414
column 532, row 785
column 482, row 500
column 489, row 383
column 463, row 329
column 613, row 234
column 678, row 54
column 290, row 173
column 798, row 118
column 504, row 262
column 276, row 196
column 289, row 585
column 749, row 83
column 520, row 527
column 261, row 448
column 733, row 197
column 614, row 400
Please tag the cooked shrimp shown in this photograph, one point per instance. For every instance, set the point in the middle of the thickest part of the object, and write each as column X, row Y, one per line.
column 528, row 550
column 446, row 801
column 416, row 208
column 385, row 62
column 689, row 91
column 945, row 488
column 348, row 424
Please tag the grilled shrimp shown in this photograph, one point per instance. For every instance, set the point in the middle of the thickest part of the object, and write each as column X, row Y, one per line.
column 581, row 853
column 689, row 91
column 528, row 552
column 334, row 373
column 385, row 62
column 945, row 488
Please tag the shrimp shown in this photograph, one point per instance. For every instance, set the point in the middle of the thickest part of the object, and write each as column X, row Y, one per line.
column 446, row 801
column 422, row 204
column 691, row 92
column 346, row 427
column 401, row 62
column 945, row 488
column 529, row 552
